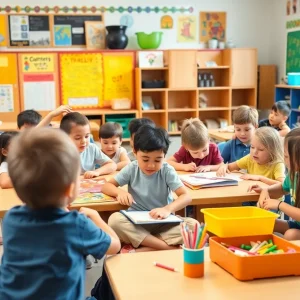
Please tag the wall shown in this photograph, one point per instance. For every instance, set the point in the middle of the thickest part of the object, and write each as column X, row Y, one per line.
column 247, row 20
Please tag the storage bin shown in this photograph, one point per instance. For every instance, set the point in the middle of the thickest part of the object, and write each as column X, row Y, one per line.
column 123, row 120
column 153, row 84
column 259, row 266
column 239, row 221
column 293, row 78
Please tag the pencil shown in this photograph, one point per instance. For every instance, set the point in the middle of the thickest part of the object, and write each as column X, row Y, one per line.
column 195, row 235
column 202, row 237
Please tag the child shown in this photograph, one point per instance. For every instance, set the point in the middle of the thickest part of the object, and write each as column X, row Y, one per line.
column 196, row 154
column 28, row 118
column 265, row 161
column 5, row 139
column 150, row 181
column 77, row 126
column 277, row 118
column 45, row 245
column 110, row 135
column 290, row 229
column 245, row 120
column 61, row 110
column 133, row 127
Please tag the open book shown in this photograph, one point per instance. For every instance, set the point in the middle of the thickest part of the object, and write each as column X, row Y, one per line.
column 143, row 217
column 197, row 181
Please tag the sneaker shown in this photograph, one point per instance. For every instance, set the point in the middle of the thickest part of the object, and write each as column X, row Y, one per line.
column 89, row 264
column 127, row 249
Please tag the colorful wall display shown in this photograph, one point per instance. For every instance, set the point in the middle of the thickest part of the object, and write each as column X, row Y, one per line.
column 166, row 22
column 95, row 34
column 3, row 31
column 293, row 52
column 186, row 29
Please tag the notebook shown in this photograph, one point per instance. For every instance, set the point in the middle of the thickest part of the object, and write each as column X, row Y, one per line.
column 91, row 185
column 93, row 198
column 197, row 181
column 143, row 217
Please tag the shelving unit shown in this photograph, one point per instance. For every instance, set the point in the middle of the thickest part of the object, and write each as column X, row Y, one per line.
column 179, row 99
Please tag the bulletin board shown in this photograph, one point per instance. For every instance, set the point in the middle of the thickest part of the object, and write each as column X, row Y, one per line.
column 69, row 30
column 81, row 77
column 293, row 52
column 29, row 30
column 3, row 31
column 118, row 76
column 39, row 85
column 9, row 87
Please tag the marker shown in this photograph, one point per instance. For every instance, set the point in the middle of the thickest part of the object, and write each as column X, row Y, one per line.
column 164, row 267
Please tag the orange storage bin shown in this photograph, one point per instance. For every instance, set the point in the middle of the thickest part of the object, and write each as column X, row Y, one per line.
column 254, row 267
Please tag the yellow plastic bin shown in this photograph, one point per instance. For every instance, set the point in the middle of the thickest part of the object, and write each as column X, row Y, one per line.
column 239, row 221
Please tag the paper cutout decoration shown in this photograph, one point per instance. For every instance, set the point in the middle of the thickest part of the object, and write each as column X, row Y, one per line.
column 166, row 22
column 126, row 20
column 186, row 31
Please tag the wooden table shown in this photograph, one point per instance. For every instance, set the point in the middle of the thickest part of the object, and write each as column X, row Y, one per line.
column 133, row 277
column 8, row 126
column 219, row 135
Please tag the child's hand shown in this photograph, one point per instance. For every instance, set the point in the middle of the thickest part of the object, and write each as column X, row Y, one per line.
column 90, row 213
column 125, row 198
column 63, row 109
column 222, row 170
column 256, row 188
column 270, row 204
column 191, row 167
column 264, row 195
column 90, row 174
column 159, row 213
column 202, row 169
column 250, row 177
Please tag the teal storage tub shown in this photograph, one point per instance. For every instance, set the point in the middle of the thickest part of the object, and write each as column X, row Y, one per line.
column 123, row 120
column 294, row 78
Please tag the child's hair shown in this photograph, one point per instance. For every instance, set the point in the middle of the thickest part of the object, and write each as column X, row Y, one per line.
column 282, row 107
column 149, row 138
column 111, row 129
column 73, row 118
column 5, row 139
column 135, row 124
column 245, row 115
column 29, row 116
column 271, row 140
column 42, row 164
column 292, row 142
column 194, row 134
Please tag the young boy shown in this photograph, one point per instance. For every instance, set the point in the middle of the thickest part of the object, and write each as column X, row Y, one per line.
column 45, row 245
column 28, row 118
column 245, row 120
column 150, row 181
column 277, row 118
column 77, row 127
column 133, row 127
column 196, row 154
column 110, row 135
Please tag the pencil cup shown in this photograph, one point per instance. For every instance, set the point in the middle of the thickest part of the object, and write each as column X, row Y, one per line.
column 193, row 262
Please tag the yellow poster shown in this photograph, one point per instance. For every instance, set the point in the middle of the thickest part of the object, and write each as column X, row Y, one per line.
column 212, row 25
column 82, row 79
column 37, row 63
column 3, row 31
column 118, row 77
column 186, row 29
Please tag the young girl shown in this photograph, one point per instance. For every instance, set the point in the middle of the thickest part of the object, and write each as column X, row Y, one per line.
column 290, row 229
column 196, row 154
column 5, row 139
column 265, row 161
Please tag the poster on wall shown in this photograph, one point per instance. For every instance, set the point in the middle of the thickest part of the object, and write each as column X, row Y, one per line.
column 3, row 31
column 39, row 89
column 292, row 52
column 212, row 25
column 186, row 29
column 6, row 98
column 62, row 35
column 29, row 30
column 292, row 7
column 95, row 34
column 81, row 79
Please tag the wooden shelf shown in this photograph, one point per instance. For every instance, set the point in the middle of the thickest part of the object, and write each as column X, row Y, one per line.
column 213, row 68
column 209, row 108
column 150, row 69
column 92, row 112
column 178, row 109
column 243, row 87
column 174, row 132
column 154, row 90
column 153, row 111
column 213, row 88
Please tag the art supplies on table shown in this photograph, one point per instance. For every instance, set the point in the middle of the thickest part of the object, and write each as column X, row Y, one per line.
column 164, row 267
column 143, row 217
column 194, row 239
column 86, row 198
column 91, row 186
column 197, row 181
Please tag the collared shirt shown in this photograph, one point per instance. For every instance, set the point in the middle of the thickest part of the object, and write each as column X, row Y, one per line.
column 234, row 150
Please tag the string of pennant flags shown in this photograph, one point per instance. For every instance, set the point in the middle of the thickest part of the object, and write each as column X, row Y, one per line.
column 94, row 9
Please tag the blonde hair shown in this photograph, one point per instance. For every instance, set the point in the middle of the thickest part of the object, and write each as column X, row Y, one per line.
column 194, row 134
column 271, row 140
column 245, row 115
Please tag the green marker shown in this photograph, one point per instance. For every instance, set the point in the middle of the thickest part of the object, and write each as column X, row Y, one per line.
column 271, row 249
column 270, row 242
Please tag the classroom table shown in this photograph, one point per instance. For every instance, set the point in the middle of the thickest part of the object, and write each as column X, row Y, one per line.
column 134, row 277
column 8, row 126
column 221, row 136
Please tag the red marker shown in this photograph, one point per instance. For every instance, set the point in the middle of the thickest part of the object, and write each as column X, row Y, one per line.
column 165, row 267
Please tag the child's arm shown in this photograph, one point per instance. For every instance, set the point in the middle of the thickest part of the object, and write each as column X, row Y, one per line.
column 115, row 244
column 63, row 109
column 191, row 167
column 208, row 168
column 285, row 129
column 124, row 161
column 5, row 182
column 182, row 201
column 107, row 168
column 226, row 168
column 263, row 179
column 275, row 191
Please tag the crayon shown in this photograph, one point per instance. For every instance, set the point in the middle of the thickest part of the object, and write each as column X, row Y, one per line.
column 246, row 247
column 164, row 267
column 271, row 249
column 270, row 242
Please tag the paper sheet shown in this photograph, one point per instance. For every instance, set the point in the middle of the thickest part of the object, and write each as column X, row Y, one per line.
column 6, row 98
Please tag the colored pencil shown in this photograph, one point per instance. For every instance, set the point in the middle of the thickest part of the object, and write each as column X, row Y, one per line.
column 202, row 237
column 165, row 267
column 195, row 235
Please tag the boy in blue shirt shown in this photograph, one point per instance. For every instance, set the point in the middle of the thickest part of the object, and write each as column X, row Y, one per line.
column 150, row 182
column 45, row 245
column 245, row 120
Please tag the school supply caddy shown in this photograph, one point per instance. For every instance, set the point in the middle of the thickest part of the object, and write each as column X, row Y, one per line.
column 143, row 217
column 197, row 181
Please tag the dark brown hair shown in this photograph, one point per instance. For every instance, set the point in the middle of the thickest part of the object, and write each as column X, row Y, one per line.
column 282, row 107
column 73, row 118
column 110, row 129
column 42, row 164
column 5, row 139
column 292, row 142
column 245, row 115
